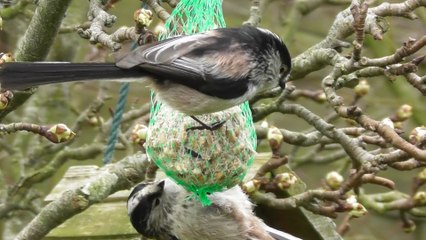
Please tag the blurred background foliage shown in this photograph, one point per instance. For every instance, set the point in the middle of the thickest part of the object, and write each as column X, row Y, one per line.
column 63, row 103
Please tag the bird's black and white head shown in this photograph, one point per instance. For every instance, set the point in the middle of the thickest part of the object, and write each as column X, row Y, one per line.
column 274, row 65
column 148, row 208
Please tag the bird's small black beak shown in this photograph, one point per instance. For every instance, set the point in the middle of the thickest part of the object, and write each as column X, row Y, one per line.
column 161, row 184
column 282, row 82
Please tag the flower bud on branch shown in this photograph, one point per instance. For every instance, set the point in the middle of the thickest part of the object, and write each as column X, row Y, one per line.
column 57, row 133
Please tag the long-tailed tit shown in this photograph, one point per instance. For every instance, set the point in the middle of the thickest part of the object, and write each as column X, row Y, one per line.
column 195, row 74
column 166, row 211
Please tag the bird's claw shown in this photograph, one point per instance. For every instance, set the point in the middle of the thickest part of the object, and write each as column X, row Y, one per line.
column 203, row 126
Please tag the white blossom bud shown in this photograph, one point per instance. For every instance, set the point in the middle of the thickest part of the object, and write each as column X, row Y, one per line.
column 358, row 210
column 60, row 133
column 362, row 88
column 404, row 112
column 285, row 180
column 334, row 180
column 420, row 197
column 251, row 186
column 275, row 137
column 139, row 133
column 418, row 135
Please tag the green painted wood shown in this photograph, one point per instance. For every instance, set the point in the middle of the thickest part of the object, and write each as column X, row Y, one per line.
column 101, row 221
column 105, row 220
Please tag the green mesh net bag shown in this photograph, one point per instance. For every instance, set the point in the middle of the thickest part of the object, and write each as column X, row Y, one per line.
column 194, row 16
column 202, row 161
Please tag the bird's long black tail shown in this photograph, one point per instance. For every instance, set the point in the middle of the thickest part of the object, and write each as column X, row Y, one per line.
column 23, row 75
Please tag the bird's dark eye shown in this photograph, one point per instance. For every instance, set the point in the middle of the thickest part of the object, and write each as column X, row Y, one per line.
column 156, row 202
column 282, row 69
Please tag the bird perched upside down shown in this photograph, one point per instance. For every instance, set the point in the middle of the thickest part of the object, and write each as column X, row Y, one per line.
column 165, row 211
column 195, row 74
